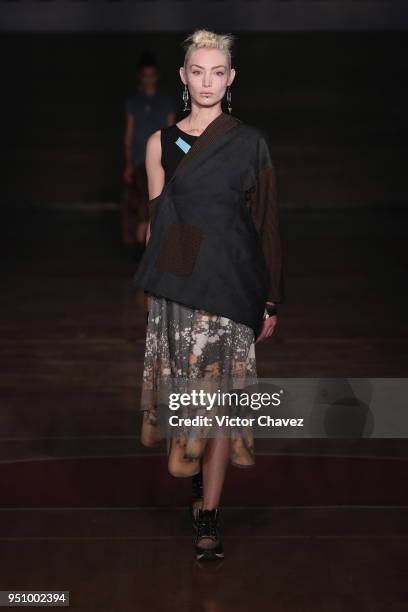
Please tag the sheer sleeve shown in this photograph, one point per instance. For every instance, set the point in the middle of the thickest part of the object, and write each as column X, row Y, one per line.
column 263, row 202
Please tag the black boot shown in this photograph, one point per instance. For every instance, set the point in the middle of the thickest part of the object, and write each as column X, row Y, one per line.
column 207, row 527
column 196, row 495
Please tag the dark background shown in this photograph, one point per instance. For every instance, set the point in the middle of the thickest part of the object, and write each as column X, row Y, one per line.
column 320, row 524
column 333, row 103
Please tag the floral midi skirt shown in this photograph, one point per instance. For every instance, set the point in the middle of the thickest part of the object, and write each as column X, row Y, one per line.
column 188, row 343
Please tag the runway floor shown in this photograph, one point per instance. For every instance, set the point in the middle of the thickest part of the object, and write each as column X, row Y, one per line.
column 329, row 534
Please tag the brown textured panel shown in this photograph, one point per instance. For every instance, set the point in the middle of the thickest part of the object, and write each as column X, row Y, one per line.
column 180, row 249
column 262, row 200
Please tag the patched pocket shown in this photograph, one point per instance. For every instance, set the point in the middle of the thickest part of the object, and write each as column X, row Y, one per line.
column 180, row 248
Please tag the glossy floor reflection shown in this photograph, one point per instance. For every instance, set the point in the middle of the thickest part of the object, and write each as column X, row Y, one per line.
column 71, row 360
column 280, row 559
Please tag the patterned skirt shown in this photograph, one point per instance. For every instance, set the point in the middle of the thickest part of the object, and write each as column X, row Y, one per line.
column 187, row 343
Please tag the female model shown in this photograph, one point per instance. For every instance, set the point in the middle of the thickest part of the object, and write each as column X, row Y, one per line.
column 211, row 269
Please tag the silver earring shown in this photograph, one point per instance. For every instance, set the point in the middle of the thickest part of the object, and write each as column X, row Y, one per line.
column 229, row 99
column 185, row 98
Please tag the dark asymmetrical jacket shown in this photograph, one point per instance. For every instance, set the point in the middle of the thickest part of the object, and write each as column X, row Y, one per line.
column 215, row 242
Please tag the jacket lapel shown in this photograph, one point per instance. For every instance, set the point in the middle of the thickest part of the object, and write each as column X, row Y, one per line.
column 214, row 130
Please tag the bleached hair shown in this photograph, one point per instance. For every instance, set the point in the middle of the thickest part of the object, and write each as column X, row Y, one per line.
column 211, row 40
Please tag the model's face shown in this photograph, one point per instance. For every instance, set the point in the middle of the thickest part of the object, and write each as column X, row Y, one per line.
column 207, row 76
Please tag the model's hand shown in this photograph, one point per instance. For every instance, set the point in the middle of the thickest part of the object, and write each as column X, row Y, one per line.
column 267, row 328
column 128, row 174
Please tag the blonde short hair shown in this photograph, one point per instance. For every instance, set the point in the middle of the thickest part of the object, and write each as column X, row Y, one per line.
column 205, row 38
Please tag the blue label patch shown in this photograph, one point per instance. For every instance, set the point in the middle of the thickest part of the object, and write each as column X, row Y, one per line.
column 183, row 144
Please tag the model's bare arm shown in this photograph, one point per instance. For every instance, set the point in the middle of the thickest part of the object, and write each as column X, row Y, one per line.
column 155, row 176
column 154, row 170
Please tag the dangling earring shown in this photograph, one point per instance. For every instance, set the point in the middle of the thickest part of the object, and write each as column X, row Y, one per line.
column 229, row 99
column 185, row 98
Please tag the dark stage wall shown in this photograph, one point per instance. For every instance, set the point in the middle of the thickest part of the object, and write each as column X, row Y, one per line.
column 334, row 105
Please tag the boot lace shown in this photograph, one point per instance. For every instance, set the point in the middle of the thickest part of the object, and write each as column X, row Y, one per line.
column 207, row 524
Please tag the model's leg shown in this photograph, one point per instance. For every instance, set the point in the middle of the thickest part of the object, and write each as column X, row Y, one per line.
column 215, row 464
